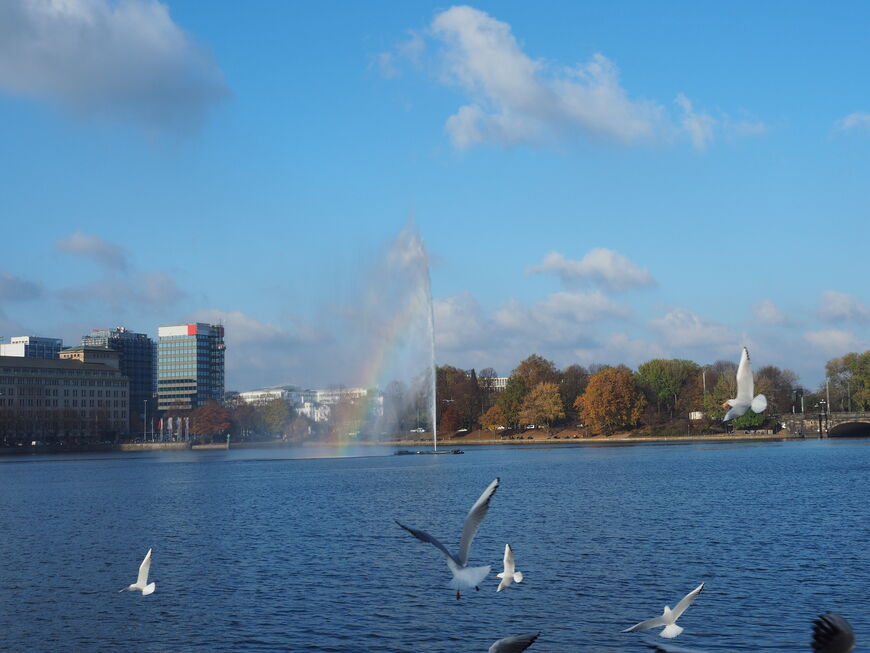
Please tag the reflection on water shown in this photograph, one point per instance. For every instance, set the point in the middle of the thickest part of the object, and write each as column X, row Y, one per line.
column 281, row 549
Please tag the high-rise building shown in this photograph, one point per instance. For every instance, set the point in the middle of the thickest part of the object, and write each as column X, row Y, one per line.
column 190, row 365
column 137, row 361
column 32, row 347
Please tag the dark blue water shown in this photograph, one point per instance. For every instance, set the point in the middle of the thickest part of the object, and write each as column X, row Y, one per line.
column 254, row 550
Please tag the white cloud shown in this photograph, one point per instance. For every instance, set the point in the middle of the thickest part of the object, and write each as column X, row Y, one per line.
column 832, row 341
column 458, row 323
column 95, row 248
column 15, row 289
column 517, row 99
column 766, row 312
column 859, row 120
column 683, row 329
column 512, row 98
column 840, row 307
column 699, row 126
column 119, row 60
column 601, row 266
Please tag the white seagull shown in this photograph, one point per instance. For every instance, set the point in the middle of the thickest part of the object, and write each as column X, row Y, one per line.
column 509, row 575
column 464, row 576
column 142, row 584
column 669, row 617
column 745, row 388
column 514, row 644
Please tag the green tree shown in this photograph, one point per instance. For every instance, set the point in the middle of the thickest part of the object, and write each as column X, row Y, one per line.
column 276, row 416
column 664, row 380
column 510, row 400
column 574, row 380
column 612, row 400
column 542, row 406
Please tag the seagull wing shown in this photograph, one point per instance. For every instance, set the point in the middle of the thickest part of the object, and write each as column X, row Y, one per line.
column 745, row 385
column 832, row 634
column 423, row 536
column 509, row 567
column 473, row 519
column 144, row 568
column 646, row 625
column 514, row 644
column 686, row 601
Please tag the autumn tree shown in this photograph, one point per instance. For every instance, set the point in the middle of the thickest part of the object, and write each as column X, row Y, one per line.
column 542, row 405
column 494, row 418
column 611, row 401
column 537, row 369
column 777, row 386
column 210, row 419
column 459, row 393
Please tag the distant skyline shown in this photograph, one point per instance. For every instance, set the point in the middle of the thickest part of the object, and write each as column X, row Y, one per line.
column 594, row 182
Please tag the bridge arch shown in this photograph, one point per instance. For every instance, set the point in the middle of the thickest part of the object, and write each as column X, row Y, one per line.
column 854, row 429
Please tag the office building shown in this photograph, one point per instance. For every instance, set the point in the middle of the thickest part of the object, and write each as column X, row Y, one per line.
column 43, row 400
column 137, row 361
column 190, row 365
column 32, row 347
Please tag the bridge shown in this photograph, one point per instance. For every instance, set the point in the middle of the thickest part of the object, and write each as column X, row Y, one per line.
column 827, row 425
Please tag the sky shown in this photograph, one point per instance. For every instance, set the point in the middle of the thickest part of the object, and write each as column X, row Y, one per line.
column 596, row 182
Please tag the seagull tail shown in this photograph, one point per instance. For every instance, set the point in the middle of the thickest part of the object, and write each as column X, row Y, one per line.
column 149, row 589
column 518, row 577
column 759, row 404
column 671, row 631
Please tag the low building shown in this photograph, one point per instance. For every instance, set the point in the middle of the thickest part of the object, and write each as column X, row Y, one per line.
column 85, row 354
column 32, row 347
column 45, row 400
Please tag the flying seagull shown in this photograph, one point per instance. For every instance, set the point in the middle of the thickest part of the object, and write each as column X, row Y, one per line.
column 142, row 584
column 669, row 617
column 509, row 575
column 514, row 644
column 832, row 634
column 464, row 576
column 745, row 388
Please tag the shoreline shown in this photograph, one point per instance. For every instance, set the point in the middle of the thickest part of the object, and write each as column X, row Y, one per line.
column 447, row 443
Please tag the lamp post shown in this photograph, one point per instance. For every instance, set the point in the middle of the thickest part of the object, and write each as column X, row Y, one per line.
column 144, row 420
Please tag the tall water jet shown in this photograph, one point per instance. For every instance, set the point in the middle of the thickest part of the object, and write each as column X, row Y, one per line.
column 392, row 343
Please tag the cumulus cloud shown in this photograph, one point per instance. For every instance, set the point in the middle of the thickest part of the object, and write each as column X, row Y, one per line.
column 766, row 312
column 619, row 348
column 832, row 341
column 95, row 248
column 600, row 266
column 16, row 289
column 841, row 307
column 517, row 99
column 117, row 60
column 681, row 328
column 513, row 98
column 459, row 323
column 859, row 120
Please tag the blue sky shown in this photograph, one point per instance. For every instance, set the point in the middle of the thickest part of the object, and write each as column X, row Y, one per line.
column 596, row 182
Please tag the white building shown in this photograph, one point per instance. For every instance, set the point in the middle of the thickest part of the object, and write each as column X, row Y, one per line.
column 32, row 347
column 315, row 412
column 333, row 396
column 258, row 397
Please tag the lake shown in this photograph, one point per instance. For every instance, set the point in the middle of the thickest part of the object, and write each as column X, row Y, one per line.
column 276, row 550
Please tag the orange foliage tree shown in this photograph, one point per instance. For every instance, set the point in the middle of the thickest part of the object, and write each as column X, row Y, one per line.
column 611, row 401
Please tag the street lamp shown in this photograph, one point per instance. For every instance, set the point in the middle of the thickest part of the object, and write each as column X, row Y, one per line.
column 144, row 420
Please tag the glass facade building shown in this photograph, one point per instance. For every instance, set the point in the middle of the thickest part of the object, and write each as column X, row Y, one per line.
column 137, row 361
column 190, row 365
column 32, row 347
